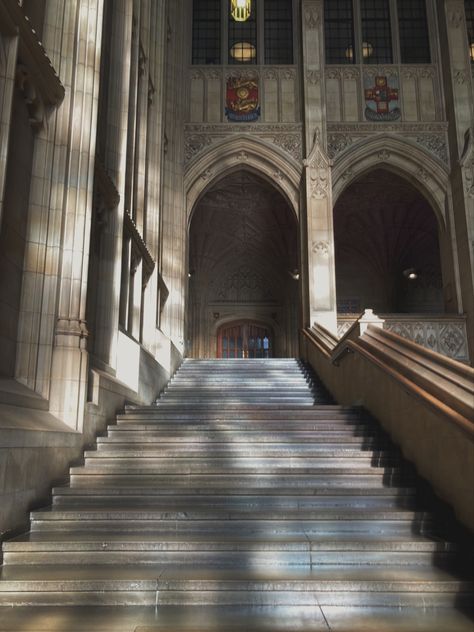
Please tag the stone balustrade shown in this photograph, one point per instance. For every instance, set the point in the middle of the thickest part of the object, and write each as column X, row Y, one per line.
column 443, row 333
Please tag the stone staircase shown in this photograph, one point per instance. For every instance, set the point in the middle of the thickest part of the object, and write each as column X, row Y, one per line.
column 243, row 486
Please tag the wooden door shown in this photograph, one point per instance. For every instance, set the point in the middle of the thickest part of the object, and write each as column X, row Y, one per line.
column 244, row 339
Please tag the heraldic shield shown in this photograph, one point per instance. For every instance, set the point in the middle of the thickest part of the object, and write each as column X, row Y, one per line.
column 242, row 100
column 381, row 98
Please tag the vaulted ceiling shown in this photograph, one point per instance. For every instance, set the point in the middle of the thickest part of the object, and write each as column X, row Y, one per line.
column 243, row 220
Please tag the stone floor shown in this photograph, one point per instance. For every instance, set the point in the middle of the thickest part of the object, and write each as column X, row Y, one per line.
column 258, row 619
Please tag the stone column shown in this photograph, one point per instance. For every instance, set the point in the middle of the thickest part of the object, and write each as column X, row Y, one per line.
column 51, row 356
column 70, row 359
column 174, row 225
column 459, row 90
column 107, row 319
column 8, row 57
column 157, row 47
column 320, row 274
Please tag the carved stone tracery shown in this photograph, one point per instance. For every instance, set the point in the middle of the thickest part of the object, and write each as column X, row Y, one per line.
column 318, row 170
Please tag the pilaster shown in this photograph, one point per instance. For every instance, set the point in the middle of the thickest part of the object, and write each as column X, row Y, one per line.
column 107, row 322
column 319, row 236
column 8, row 58
column 459, row 91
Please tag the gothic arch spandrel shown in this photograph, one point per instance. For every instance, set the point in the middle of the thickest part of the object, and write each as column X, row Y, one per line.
column 243, row 153
column 427, row 174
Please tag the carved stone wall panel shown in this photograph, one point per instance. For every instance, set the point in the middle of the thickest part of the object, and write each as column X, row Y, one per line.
column 286, row 137
column 445, row 335
column 278, row 92
column 417, row 88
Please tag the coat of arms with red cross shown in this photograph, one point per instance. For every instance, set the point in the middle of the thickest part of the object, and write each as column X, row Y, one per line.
column 381, row 99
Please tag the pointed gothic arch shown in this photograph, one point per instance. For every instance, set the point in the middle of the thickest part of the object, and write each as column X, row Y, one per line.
column 424, row 171
column 248, row 154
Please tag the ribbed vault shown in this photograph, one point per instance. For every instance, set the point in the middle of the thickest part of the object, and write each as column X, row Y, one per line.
column 243, row 247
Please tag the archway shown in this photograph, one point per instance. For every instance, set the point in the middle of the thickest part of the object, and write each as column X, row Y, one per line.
column 387, row 247
column 243, row 263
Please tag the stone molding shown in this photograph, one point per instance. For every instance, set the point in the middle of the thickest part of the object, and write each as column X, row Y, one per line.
column 430, row 136
column 401, row 155
column 199, row 137
column 251, row 153
column 36, row 78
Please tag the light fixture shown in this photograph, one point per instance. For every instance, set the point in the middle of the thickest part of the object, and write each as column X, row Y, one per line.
column 243, row 51
column 367, row 51
column 240, row 9
column 471, row 50
column 295, row 275
column 410, row 273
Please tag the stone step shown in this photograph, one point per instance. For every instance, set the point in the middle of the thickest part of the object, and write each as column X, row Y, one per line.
column 86, row 548
column 236, row 465
column 160, row 585
column 284, row 413
column 145, row 493
column 241, row 502
column 232, row 400
column 307, row 618
column 332, row 480
column 236, row 524
column 222, row 450
column 150, row 440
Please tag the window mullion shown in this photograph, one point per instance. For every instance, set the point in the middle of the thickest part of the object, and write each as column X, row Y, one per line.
column 357, row 32
column 396, row 54
column 225, row 31
column 259, row 4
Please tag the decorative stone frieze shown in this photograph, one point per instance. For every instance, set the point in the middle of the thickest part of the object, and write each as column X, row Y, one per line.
column 436, row 144
column 290, row 143
column 195, row 144
column 198, row 138
column 337, row 143
column 430, row 136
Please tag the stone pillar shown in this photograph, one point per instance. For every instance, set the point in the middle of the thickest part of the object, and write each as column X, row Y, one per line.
column 459, row 90
column 8, row 57
column 70, row 359
column 157, row 47
column 174, row 225
column 51, row 356
column 320, row 274
column 107, row 320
